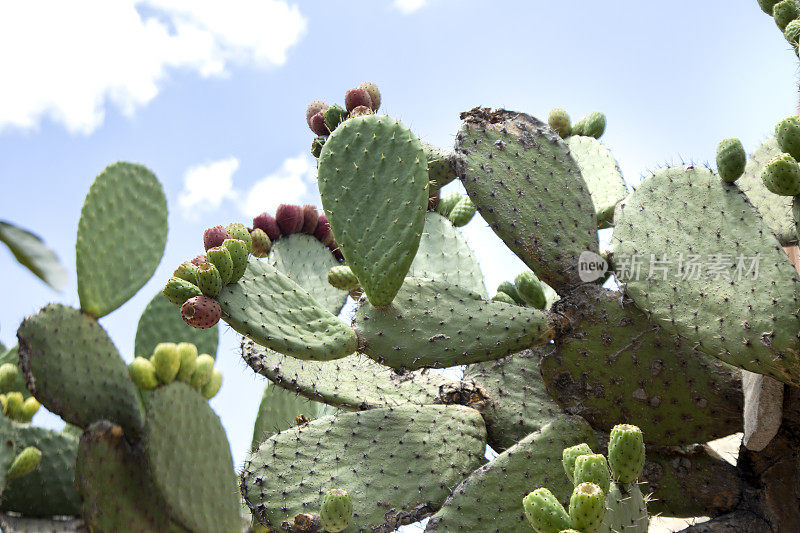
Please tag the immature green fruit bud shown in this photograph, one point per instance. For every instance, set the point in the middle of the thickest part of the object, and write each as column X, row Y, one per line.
column 203, row 371
column 334, row 116
column 179, row 290
column 544, row 512
column 530, row 289
column 447, row 203
column 781, row 175
column 587, row 507
column 317, row 144
column 592, row 468
column 186, row 271
column 188, row 355
column 508, row 288
column 336, row 511
column 504, row 298
column 3, row 399
column 240, row 231
column 342, row 277
column 167, row 361
column 261, row 242
column 594, row 125
column 731, row 160
column 560, row 122
column 143, row 373
column 784, row 12
column 13, row 407
column 238, row 253
column 570, row 455
column 210, row 389
column 579, row 128
column 787, row 133
column 626, row 453
column 29, row 408
column 8, row 375
column 209, row 280
column 792, row 32
column 220, row 257
column 26, row 462
column 463, row 212
column 767, row 6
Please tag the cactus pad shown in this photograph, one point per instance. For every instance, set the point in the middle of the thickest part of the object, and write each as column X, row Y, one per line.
column 602, row 175
column 160, row 323
column 743, row 307
column 416, row 454
column 121, row 236
column 441, row 166
column 274, row 311
column 30, row 251
column 378, row 165
column 533, row 462
column 527, row 187
column 306, row 261
column 197, row 481
column 278, row 410
column 72, row 367
column 433, row 324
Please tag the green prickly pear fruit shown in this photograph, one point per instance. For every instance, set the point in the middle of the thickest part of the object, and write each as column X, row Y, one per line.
column 188, row 355
column 781, row 175
column 3, row 399
column 240, row 231
column 26, row 462
column 313, row 108
column 787, row 133
column 570, row 455
column 334, row 116
column 261, row 242
column 587, row 507
column 310, row 219
column 318, row 125
column 179, row 290
column 374, row 94
column 201, row 312
column 792, row 32
column 784, row 12
column 8, row 374
column 13, row 405
column 767, row 5
column 220, row 257
column 357, row 97
column 29, row 408
column 203, row 371
column 544, row 512
column 504, row 298
column 731, row 159
column 289, row 218
column 626, row 453
column 266, row 223
column 463, row 212
column 143, row 373
column 560, row 122
column 237, row 251
column 447, row 203
column 594, row 125
column 211, row 388
column 592, row 468
column 530, row 289
column 342, row 278
column 167, row 361
column 336, row 511
column 579, row 128
column 317, row 144
column 199, row 260
column 209, row 280
column 214, row 236
column 186, row 271
column 508, row 288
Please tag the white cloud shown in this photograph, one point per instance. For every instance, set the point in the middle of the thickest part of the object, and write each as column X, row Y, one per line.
column 288, row 185
column 409, row 6
column 206, row 186
column 67, row 61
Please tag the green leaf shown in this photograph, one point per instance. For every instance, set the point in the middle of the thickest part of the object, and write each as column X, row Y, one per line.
column 31, row 252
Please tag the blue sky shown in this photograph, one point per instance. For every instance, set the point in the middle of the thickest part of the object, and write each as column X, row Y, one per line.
column 212, row 99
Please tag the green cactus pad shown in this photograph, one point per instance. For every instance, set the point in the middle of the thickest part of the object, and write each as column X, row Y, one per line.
column 533, row 462
column 776, row 210
column 161, row 322
column 749, row 323
column 306, row 261
column 602, row 174
column 31, row 252
column 626, row 510
column 353, row 383
column 441, row 166
column 616, row 365
column 530, row 191
column 274, row 311
column 519, row 402
column 416, row 454
column 278, row 410
column 74, row 370
column 117, row 492
column 444, row 255
column 121, row 236
column 433, row 324
column 197, row 481
column 373, row 179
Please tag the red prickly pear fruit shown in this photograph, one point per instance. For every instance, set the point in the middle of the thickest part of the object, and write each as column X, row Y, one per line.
column 199, row 260
column 215, row 236
column 289, row 218
column 310, row 218
column 201, row 312
column 374, row 94
column 361, row 111
column 356, row 97
column 317, row 106
column 323, row 231
column 266, row 223
column 317, row 124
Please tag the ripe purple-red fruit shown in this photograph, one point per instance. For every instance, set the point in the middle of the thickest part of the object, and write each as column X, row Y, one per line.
column 323, row 231
column 356, row 97
column 317, row 124
column 266, row 223
column 310, row 218
column 289, row 218
column 201, row 312
column 199, row 260
column 317, row 106
column 374, row 94
column 215, row 236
